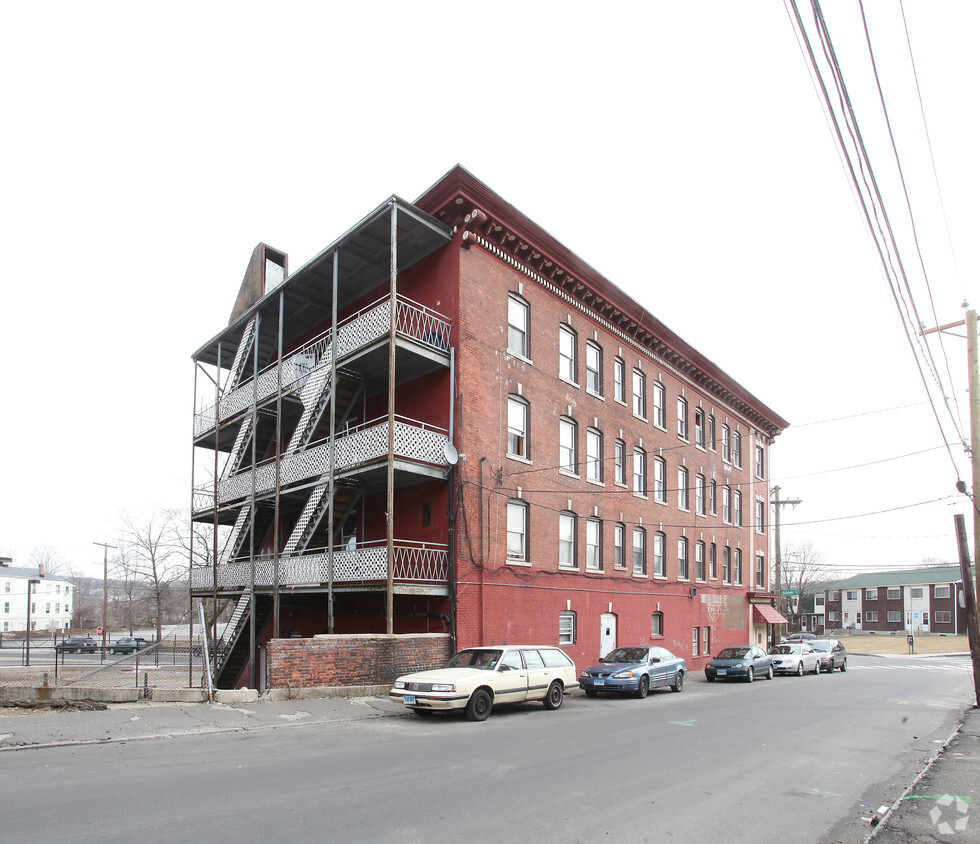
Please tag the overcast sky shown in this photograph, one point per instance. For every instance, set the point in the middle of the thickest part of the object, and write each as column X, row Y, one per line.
column 681, row 149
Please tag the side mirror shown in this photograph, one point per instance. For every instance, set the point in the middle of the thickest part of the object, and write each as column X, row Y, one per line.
column 655, row 659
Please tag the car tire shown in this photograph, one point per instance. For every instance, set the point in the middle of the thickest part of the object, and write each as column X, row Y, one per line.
column 770, row 673
column 799, row 668
column 843, row 665
column 816, row 668
column 556, row 694
column 678, row 682
column 422, row 711
column 751, row 675
column 479, row 705
column 78, row 650
column 643, row 688
column 709, row 679
column 591, row 693
column 112, row 650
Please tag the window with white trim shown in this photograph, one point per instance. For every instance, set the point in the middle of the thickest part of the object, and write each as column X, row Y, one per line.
column 593, row 455
column 682, row 417
column 639, row 394
column 700, row 499
column 916, row 592
column 870, row 594
column 726, row 444
column 659, row 555
column 760, row 516
column 760, row 571
column 683, row 490
column 726, row 564
column 713, row 561
column 659, row 405
column 893, row 593
column 566, row 627
column 699, row 427
column 619, row 545
column 656, row 625
column 517, row 418
column 682, row 563
column 567, row 342
column 593, row 368
column 619, row 380
column 695, row 641
column 940, row 591
column 942, row 617
column 871, row 616
column 699, row 560
column 639, row 471
column 893, row 616
column 593, row 544
column 619, row 462
column 660, row 479
column 760, row 461
column 737, row 449
column 517, row 531
column 517, row 326
column 567, row 448
column 639, row 551
column 737, row 565
column 566, row 540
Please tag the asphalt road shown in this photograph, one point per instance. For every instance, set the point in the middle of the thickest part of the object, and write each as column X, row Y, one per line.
column 790, row 760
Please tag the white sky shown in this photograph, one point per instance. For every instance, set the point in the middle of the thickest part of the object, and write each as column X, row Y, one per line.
column 679, row 148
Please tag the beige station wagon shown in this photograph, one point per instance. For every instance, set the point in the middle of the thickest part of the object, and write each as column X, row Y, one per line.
column 478, row 678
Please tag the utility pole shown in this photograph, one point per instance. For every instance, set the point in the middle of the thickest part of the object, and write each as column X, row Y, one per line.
column 105, row 592
column 970, row 600
column 777, row 503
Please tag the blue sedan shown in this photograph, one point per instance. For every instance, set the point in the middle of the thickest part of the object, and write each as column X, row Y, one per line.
column 634, row 670
column 743, row 662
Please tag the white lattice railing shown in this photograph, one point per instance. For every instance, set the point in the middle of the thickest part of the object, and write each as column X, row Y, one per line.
column 414, row 441
column 358, row 330
column 414, row 562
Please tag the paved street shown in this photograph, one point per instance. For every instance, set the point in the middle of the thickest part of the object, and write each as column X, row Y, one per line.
column 793, row 759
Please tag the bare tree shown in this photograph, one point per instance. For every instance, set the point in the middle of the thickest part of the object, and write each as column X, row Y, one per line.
column 804, row 569
column 46, row 559
column 149, row 541
column 197, row 543
column 129, row 590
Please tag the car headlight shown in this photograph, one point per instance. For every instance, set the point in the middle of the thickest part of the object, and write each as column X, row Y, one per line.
column 740, row 665
column 443, row 687
column 623, row 675
column 399, row 684
column 584, row 673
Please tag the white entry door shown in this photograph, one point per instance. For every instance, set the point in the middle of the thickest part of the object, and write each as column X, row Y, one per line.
column 607, row 633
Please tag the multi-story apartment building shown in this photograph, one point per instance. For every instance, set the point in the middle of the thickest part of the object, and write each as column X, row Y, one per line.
column 28, row 593
column 447, row 422
column 925, row 600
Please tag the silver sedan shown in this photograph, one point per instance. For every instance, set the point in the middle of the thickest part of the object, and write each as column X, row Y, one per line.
column 794, row 658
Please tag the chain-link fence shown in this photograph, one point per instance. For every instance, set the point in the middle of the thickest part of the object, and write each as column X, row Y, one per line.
column 172, row 663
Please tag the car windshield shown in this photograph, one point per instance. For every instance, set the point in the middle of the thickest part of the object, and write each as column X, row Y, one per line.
column 626, row 655
column 819, row 646
column 786, row 649
column 476, row 658
column 733, row 653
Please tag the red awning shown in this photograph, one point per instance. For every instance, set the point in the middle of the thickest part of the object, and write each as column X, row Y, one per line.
column 763, row 612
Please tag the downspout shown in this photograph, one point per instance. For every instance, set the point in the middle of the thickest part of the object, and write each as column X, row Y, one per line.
column 451, row 573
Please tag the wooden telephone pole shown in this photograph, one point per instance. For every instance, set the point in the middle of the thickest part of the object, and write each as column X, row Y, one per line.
column 777, row 503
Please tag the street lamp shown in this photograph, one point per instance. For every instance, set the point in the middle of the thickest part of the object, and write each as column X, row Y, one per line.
column 31, row 582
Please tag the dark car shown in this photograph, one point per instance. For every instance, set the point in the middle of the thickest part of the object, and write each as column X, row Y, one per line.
column 799, row 637
column 832, row 654
column 128, row 645
column 743, row 662
column 77, row 645
column 634, row 670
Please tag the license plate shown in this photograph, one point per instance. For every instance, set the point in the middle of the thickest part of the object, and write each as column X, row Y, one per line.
column 599, row 681
column 408, row 700
column 722, row 672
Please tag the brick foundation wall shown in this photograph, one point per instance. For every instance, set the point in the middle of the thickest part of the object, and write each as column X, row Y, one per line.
column 353, row 660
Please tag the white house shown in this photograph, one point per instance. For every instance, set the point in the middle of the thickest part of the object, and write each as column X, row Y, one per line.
column 50, row 602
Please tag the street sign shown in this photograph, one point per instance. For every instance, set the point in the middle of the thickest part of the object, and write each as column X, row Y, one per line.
column 98, row 631
column 790, row 592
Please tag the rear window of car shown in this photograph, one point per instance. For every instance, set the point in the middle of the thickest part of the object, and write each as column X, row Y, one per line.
column 533, row 659
column 554, row 658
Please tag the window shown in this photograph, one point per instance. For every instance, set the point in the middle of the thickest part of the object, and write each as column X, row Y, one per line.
column 835, row 616
column 517, row 531
column 737, row 565
column 915, row 592
column 567, row 436
column 700, row 501
column 619, row 462
column 833, row 596
column 593, row 544
column 711, row 432
column 517, row 427
column 852, row 595
column 706, row 640
column 760, row 571
column 893, row 593
column 566, row 628
column 656, row 624
column 818, row 600
column 593, row 455
column 659, row 551
column 940, row 591
column 566, row 539
column 660, row 479
column 726, row 444
column 871, row 616
column 682, row 569
column 737, row 449
column 639, row 551
column 639, row 471
column 682, row 418
column 683, row 493
column 699, row 561
column 566, row 353
column 713, row 561
column 726, row 505
column 760, row 461
column 695, row 640
column 619, row 546
column 713, row 498
column 870, row 594
column 619, row 380
column 517, row 327
column 760, row 516
column 737, row 508
column 726, row 565
column 941, row 617
column 893, row 616
column 925, row 619
column 593, row 368
column 659, row 405
column 639, row 394
column 6, row 607
column 699, row 427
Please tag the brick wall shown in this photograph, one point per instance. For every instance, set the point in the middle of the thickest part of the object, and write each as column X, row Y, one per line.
column 352, row 660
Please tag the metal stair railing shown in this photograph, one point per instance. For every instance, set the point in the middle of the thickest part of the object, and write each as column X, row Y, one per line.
column 316, row 505
column 315, row 396
column 241, row 356
column 234, row 461
column 236, row 538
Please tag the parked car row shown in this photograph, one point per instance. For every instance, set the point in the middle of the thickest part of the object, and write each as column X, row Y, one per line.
column 89, row 645
column 797, row 657
column 477, row 679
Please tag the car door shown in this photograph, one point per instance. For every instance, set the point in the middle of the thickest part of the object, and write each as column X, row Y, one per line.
column 510, row 678
column 660, row 669
column 538, row 674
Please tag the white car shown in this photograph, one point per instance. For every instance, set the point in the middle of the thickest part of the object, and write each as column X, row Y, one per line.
column 794, row 658
column 477, row 678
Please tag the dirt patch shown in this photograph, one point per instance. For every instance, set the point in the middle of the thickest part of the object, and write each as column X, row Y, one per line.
column 868, row 643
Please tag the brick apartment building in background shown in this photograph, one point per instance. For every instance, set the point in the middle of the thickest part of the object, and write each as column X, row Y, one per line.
column 446, row 423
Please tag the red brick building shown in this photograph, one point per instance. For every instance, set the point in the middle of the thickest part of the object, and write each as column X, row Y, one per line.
column 447, row 423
